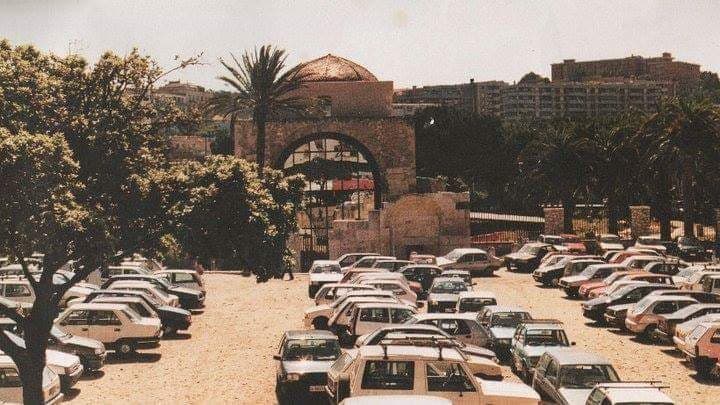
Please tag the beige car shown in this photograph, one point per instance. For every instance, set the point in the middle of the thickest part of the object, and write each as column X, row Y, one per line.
column 477, row 261
column 368, row 317
column 317, row 317
column 401, row 290
column 441, row 371
column 146, row 287
column 115, row 325
column 646, row 314
column 11, row 390
column 330, row 292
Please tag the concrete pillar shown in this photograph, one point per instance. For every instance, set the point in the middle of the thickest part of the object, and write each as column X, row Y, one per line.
column 553, row 220
column 640, row 220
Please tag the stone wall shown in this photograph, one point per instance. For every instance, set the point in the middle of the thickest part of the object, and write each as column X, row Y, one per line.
column 427, row 223
column 352, row 99
column 554, row 220
column 390, row 141
column 640, row 220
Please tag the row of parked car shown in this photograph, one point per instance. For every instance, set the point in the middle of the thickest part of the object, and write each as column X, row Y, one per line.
column 122, row 308
column 644, row 291
column 421, row 333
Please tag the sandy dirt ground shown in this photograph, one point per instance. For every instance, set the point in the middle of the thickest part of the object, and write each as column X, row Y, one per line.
column 227, row 356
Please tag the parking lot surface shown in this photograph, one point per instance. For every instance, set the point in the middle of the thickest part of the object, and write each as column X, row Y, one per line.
column 227, row 356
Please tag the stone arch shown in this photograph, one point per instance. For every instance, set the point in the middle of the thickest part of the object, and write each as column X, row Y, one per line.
column 378, row 178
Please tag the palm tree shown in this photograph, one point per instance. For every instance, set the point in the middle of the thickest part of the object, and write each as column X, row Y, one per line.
column 681, row 136
column 262, row 87
column 558, row 163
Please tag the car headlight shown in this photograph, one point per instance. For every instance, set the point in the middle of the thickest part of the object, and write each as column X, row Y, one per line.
column 433, row 302
column 293, row 377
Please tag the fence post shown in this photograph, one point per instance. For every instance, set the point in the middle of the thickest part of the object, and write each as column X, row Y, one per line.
column 554, row 220
column 639, row 220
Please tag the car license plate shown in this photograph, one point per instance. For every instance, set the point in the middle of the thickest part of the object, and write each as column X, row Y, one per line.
column 317, row 388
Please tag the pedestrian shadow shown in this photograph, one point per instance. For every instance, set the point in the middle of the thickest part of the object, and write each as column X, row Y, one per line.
column 93, row 375
column 133, row 358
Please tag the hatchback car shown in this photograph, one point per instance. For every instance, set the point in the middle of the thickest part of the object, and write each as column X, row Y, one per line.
column 444, row 294
column 477, row 261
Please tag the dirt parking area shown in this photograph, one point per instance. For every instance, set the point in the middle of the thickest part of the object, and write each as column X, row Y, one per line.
column 227, row 356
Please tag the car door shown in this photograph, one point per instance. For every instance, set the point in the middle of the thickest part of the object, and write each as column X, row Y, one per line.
column 106, row 326
column 550, row 382
column 450, row 380
column 370, row 319
column 76, row 322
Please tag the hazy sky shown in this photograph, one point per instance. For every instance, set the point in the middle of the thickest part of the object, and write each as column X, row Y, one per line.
column 409, row 42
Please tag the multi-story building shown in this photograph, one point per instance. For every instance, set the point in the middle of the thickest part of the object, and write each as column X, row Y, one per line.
column 479, row 97
column 663, row 69
column 184, row 94
column 543, row 100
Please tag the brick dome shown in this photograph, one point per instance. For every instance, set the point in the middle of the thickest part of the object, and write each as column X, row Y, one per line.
column 331, row 68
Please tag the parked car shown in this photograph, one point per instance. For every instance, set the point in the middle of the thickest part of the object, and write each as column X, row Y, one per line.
column 148, row 288
column 303, row 360
column 610, row 242
column 666, row 267
column 555, row 240
column 385, row 275
column 477, row 261
column 594, row 272
column 474, row 301
column 115, row 325
column 413, row 370
column 392, row 265
column 643, row 318
column 463, row 274
column 341, row 319
column 444, row 292
column 330, row 292
column 348, row 259
column 367, row 262
column 629, row 279
column 691, row 249
column 528, row 257
column 622, row 393
column 500, row 323
column 667, row 323
column 422, row 259
column 651, row 242
column 531, row 340
column 423, row 274
column 615, row 315
column 11, row 390
column 551, row 275
column 573, row 244
column 682, row 330
column 409, row 328
column 323, row 272
column 184, row 278
column 187, row 298
column 585, row 289
column 317, row 317
column 567, row 376
column 367, row 317
column 696, row 281
column 702, row 347
column 463, row 327
column 401, row 290
column 91, row 352
column 66, row 365
column 594, row 309
column 171, row 318
column 638, row 262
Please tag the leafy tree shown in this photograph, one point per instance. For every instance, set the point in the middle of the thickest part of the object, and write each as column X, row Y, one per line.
column 680, row 136
column 710, row 86
column 533, row 77
column 221, row 208
column 263, row 87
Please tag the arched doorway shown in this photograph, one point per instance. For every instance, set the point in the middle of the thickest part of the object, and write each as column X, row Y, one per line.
column 343, row 181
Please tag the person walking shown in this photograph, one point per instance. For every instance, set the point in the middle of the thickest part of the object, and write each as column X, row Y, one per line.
column 288, row 270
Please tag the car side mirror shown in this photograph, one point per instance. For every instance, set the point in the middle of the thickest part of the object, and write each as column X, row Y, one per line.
column 277, row 357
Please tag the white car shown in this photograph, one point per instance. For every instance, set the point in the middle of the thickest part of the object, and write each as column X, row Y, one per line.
column 368, row 317
column 330, row 292
column 11, row 390
column 317, row 317
column 401, row 290
column 323, row 272
column 146, row 287
column 67, row 366
column 651, row 242
column 609, row 241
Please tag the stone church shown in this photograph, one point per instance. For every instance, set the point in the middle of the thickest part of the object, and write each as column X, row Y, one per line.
column 359, row 163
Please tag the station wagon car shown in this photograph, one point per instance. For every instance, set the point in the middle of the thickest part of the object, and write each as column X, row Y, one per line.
column 531, row 340
column 567, row 376
column 624, row 393
column 418, row 370
column 477, row 261
column 367, row 317
column 500, row 323
column 323, row 272
column 444, row 293
column 474, row 301
column 303, row 360
column 463, row 327
column 11, row 390
column 330, row 292
column 115, row 325
column 667, row 322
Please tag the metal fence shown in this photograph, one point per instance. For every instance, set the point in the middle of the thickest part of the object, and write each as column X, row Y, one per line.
column 500, row 232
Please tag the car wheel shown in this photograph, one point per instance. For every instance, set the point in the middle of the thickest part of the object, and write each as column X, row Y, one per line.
column 125, row 348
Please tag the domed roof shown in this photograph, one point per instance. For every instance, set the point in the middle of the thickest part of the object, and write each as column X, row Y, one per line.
column 331, row 68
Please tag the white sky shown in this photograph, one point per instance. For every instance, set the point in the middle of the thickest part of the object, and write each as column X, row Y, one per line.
column 409, row 42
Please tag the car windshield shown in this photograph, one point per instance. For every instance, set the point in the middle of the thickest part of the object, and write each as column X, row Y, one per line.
column 311, row 349
column 546, row 337
column 326, row 268
column 610, row 239
column 688, row 241
column 590, row 270
column 530, row 249
column 649, row 241
column 586, row 375
column 58, row 333
column 508, row 319
column 687, row 272
column 449, row 287
column 132, row 314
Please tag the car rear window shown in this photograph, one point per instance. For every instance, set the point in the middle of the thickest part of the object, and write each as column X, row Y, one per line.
column 388, row 375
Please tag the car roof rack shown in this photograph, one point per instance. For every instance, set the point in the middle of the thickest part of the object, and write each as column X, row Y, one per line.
column 440, row 343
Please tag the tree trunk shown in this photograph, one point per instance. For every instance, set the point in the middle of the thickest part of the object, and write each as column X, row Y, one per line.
column 31, row 375
column 260, row 144
column 686, row 181
column 37, row 330
column 568, row 214
column 612, row 215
